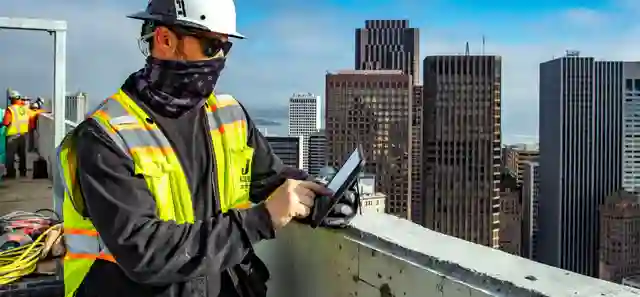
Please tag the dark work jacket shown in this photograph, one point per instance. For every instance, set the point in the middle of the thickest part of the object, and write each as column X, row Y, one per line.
column 211, row 257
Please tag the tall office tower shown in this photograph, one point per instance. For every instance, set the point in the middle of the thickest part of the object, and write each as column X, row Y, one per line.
column 288, row 149
column 417, row 215
column 76, row 106
column 304, row 119
column 530, row 192
column 631, row 128
column 461, row 146
column 619, row 242
column 514, row 156
column 581, row 103
column 388, row 45
column 372, row 108
column 317, row 152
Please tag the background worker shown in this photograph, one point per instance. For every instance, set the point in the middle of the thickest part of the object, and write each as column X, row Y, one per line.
column 35, row 108
column 16, row 119
column 167, row 186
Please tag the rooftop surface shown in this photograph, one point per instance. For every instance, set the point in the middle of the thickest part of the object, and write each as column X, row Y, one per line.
column 25, row 193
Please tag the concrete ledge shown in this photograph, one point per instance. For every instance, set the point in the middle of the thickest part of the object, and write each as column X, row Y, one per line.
column 44, row 139
column 382, row 255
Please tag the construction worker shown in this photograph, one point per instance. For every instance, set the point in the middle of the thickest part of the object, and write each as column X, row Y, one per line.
column 166, row 186
column 16, row 119
column 35, row 108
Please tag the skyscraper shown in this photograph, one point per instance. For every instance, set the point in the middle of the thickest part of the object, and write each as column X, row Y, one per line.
column 417, row 201
column 461, row 146
column 372, row 108
column 388, row 45
column 530, row 194
column 288, row 149
column 631, row 128
column 317, row 152
column 581, row 102
column 75, row 106
column 304, row 119
column 619, row 244
column 514, row 156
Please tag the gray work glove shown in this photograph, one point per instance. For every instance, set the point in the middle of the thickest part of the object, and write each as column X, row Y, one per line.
column 346, row 208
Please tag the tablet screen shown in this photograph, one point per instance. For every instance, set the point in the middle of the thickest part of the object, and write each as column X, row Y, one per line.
column 342, row 175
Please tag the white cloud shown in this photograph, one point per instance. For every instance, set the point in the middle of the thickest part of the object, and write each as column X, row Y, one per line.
column 584, row 17
column 291, row 50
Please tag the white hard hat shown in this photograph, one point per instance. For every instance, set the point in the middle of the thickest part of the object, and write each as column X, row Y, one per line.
column 217, row 16
column 13, row 94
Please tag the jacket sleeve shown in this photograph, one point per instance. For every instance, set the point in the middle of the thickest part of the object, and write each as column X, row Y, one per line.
column 268, row 171
column 150, row 250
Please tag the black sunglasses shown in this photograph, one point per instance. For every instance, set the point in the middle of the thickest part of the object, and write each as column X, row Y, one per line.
column 211, row 46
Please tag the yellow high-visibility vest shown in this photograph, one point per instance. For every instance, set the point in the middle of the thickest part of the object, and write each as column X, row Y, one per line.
column 20, row 117
column 153, row 157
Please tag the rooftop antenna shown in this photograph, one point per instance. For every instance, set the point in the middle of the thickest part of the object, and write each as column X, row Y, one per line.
column 483, row 43
column 466, row 50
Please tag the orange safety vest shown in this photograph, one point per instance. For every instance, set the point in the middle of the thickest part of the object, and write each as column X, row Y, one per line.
column 33, row 118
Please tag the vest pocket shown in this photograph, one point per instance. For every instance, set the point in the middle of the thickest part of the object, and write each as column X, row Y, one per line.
column 240, row 162
column 158, row 178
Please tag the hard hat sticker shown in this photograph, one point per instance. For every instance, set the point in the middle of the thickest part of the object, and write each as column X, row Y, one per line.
column 180, row 8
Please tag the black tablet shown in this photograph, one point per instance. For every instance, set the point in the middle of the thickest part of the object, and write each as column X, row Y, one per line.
column 341, row 182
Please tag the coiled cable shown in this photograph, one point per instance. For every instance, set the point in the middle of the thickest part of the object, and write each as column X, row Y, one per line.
column 21, row 261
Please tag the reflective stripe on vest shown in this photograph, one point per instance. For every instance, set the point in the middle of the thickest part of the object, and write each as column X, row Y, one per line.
column 86, row 244
column 140, row 139
column 19, row 120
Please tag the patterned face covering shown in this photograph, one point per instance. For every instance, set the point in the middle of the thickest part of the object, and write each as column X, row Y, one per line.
column 174, row 87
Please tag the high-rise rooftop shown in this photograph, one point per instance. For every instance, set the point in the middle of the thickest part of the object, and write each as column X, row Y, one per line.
column 388, row 45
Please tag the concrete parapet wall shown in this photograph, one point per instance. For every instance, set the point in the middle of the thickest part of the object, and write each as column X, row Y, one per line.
column 44, row 137
column 382, row 255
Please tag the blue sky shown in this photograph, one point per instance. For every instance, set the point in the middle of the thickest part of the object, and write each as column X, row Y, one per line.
column 293, row 42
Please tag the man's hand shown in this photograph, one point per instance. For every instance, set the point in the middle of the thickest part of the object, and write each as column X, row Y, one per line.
column 294, row 198
column 345, row 210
